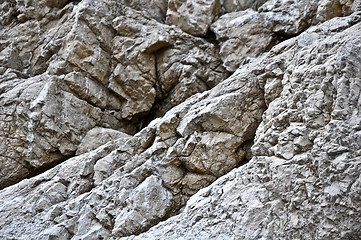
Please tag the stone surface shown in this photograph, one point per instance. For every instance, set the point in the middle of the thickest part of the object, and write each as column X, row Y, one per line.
column 303, row 180
column 97, row 137
column 193, row 17
column 176, row 155
column 328, row 9
column 68, row 67
column 155, row 9
column 243, row 36
column 247, row 34
column 239, row 5
column 171, row 146
column 159, row 63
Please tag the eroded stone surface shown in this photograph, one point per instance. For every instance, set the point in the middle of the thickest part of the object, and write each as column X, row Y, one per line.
column 193, row 17
column 68, row 67
column 239, row 5
column 97, row 137
column 303, row 180
column 247, row 34
column 197, row 130
column 100, row 65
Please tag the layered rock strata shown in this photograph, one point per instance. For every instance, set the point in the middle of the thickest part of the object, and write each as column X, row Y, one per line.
column 95, row 64
column 257, row 138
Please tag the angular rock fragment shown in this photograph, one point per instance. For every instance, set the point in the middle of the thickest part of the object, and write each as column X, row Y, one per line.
column 98, row 137
column 193, row 17
column 243, row 35
column 239, row 5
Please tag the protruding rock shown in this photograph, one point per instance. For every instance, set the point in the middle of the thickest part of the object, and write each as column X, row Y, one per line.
column 193, row 17
column 99, row 136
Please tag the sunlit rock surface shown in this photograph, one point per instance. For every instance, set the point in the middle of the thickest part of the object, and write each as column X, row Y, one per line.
column 180, row 119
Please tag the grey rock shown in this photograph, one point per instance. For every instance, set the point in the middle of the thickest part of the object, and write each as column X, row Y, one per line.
column 243, row 36
column 239, row 5
column 247, row 34
column 302, row 180
column 270, row 152
column 68, row 68
column 193, row 17
column 155, row 9
column 108, row 177
column 97, row 137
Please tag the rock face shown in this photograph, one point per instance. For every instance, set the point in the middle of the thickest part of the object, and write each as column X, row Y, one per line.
column 238, row 5
column 193, row 17
column 121, row 119
column 66, row 71
column 247, row 34
column 304, row 179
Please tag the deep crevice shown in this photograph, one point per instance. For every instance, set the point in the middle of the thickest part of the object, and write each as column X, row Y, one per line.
column 160, row 96
column 75, row 2
column 37, row 171
column 33, row 171
column 212, row 38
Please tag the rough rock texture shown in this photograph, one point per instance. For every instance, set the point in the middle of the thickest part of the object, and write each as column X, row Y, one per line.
column 304, row 179
column 238, row 5
column 65, row 71
column 187, row 149
column 247, row 34
column 97, row 137
column 270, row 152
column 193, row 17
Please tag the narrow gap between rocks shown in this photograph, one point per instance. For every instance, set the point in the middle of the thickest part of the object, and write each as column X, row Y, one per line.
column 33, row 171
column 212, row 38
column 37, row 171
column 75, row 2
column 154, row 111
column 160, row 96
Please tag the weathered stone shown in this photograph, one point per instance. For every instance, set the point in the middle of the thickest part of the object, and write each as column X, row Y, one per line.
column 239, row 5
column 68, row 71
column 155, row 9
column 120, row 174
column 159, row 62
column 293, row 111
column 243, row 36
column 41, row 135
column 97, row 137
column 193, row 17
column 328, row 9
column 306, row 156
column 247, row 34
column 192, row 182
column 149, row 202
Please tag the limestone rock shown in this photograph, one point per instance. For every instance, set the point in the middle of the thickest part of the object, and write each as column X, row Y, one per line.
column 40, row 135
column 97, row 137
column 100, row 183
column 239, row 5
column 247, row 34
column 303, row 179
column 193, row 17
column 155, row 9
column 82, row 75
column 156, row 62
column 68, row 67
column 328, row 9
column 243, row 36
